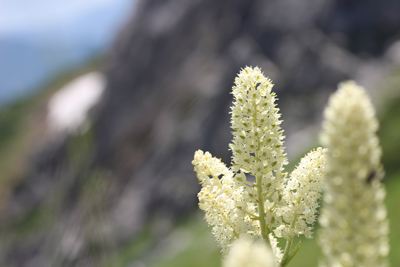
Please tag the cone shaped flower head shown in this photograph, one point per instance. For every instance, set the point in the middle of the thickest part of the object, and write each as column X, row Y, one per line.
column 353, row 218
column 271, row 204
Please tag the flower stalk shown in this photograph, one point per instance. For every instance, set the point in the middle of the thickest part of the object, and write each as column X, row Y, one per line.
column 276, row 205
column 260, row 203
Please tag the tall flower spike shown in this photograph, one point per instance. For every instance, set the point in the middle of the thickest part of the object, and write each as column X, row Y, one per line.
column 240, row 208
column 257, row 144
column 353, row 218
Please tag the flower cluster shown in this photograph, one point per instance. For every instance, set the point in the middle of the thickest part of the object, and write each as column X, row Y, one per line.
column 257, row 144
column 353, row 219
column 239, row 207
column 301, row 193
column 222, row 201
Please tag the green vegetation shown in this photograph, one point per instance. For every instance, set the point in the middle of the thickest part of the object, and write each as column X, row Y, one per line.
column 132, row 251
column 189, row 244
column 201, row 251
column 389, row 120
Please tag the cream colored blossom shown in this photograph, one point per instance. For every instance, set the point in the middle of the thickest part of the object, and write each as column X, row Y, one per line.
column 247, row 253
column 239, row 208
column 301, row 193
column 222, row 201
column 275, row 248
column 257, row 144
column 353, row 219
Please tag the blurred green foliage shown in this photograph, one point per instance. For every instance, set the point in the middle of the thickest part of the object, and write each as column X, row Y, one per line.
column 389, row 119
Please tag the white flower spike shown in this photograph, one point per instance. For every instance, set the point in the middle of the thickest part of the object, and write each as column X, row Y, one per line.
column 273, row 204
column 353, row 219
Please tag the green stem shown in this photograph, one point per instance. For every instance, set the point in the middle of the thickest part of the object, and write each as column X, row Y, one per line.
column 289, row 241
column 260, row 195
column 268, row 195
column 287, row 247
column 252, row 216
column 285, row 261
column 261, row 213
column 249, row 183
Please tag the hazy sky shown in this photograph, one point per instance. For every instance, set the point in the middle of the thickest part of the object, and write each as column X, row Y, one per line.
column 41, row 39
column 24, row 15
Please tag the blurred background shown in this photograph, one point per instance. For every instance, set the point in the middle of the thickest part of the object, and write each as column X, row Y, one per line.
column 104, row 102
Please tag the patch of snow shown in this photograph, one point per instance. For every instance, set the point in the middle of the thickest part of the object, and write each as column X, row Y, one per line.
column 68, row 108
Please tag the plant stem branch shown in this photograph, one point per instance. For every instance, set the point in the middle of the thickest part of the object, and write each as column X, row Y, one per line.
column 261, row 212
column 287, row 247
column 289, row 241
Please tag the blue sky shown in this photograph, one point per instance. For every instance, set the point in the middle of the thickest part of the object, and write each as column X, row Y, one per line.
column 42, row 38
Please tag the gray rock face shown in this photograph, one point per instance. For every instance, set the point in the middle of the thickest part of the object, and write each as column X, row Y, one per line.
column 169, row 77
